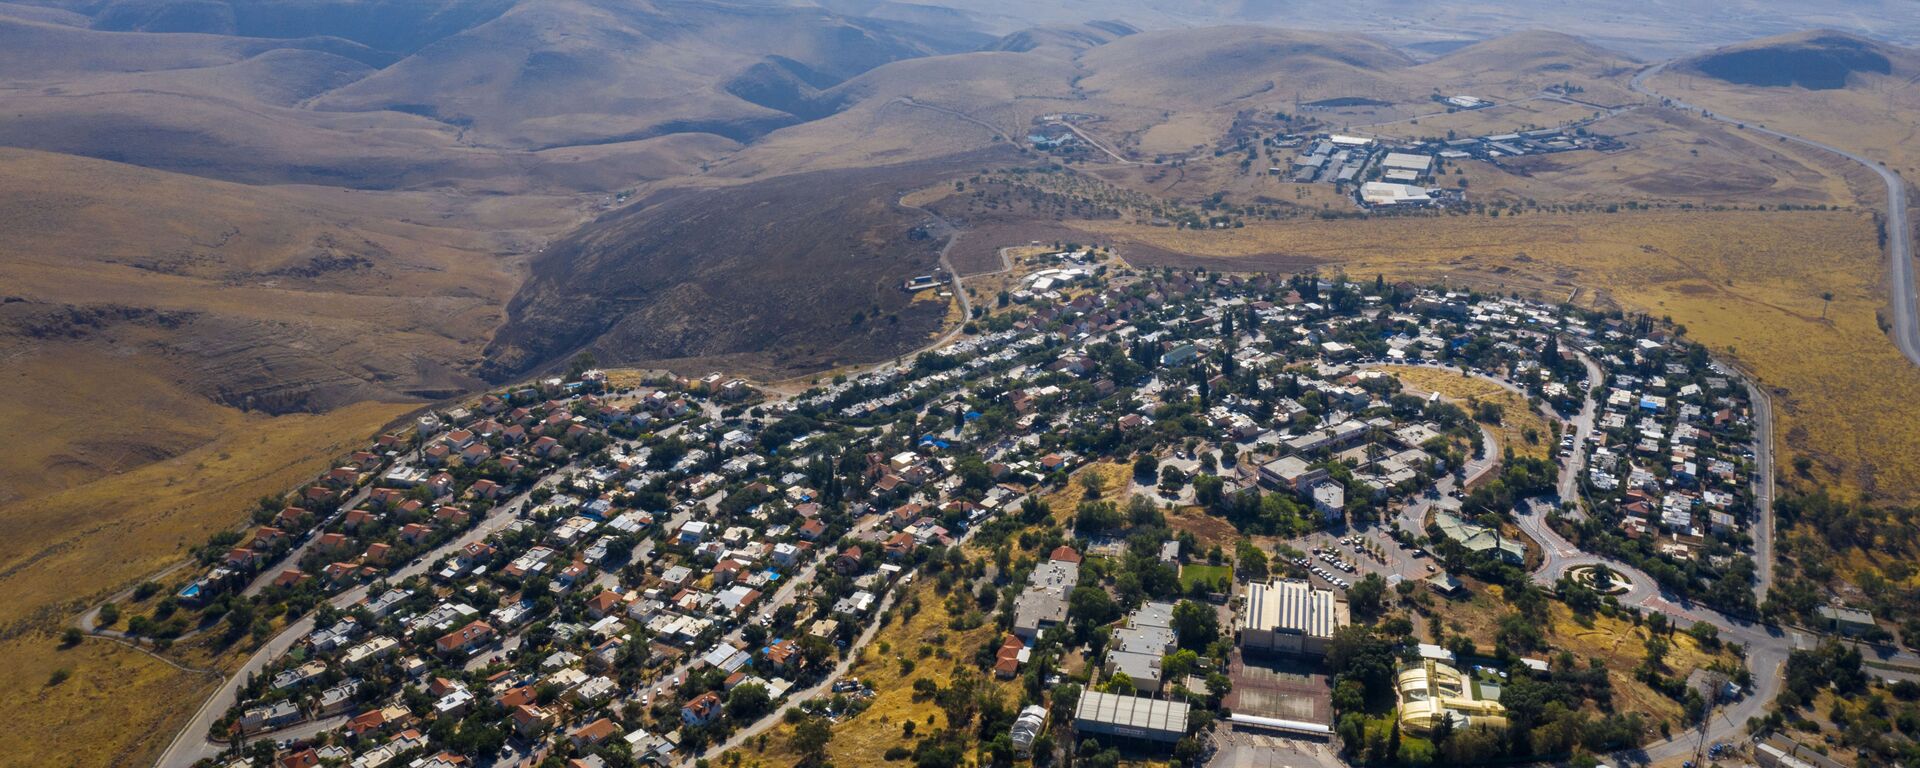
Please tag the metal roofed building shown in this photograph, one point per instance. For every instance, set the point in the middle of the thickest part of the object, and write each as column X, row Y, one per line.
column 1479, row 538
column 1387, row 193
column 1131, row 717
column 1407, row 162
column 1290, row 616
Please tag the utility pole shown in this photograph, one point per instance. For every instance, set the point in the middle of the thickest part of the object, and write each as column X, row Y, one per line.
column 1716, row 683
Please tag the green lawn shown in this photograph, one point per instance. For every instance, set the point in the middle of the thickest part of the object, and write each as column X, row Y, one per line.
column 1215, row 575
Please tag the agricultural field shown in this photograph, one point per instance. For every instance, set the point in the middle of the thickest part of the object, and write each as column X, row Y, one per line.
column 1751, row 285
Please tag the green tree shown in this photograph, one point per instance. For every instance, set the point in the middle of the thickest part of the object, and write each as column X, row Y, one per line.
column 1250, row 561
column 1174, row 667
column 1197, row 625
column 1367, row 597
column 1091, row 606
column 810, row 739
column 1145, row 467
column 748, row 701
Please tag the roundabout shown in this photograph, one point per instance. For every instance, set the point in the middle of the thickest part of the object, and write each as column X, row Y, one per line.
column 1601, row 578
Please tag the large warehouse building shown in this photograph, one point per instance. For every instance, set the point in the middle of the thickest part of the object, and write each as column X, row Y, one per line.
column 1130, row 717
column 1290, row 616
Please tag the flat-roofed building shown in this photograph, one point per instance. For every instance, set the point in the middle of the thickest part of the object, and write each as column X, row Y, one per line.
column 1137, row 648
column 1043, row 604
column 1403, row 161
column 1851, row 622
column 1291, row 473
column 1389, row 193
column 1290, row 616
column 1130, row 717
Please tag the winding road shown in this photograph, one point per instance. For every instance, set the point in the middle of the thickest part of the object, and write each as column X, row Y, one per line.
column 1899, row 229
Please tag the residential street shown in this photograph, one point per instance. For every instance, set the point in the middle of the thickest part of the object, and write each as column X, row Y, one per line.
column 191, row 744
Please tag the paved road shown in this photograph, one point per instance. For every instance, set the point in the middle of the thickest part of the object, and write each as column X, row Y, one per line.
column 1766, row 646
column 771, row 719
column 1906, row 318
column 1762, row 487
column 1582, row 423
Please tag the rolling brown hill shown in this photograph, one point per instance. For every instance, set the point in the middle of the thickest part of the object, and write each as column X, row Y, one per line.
column 271, row 299
column 1063, row 40
column 1203, row 68
column 327, row 92
column 1817, row 60
column 1842, row 89
column 558, row 72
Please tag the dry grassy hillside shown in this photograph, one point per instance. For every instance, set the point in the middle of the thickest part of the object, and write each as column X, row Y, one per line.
column 1520, row 64
column 410, row 95
column 67, row 549
column 205, row 293
column 1650, row 29
column 1675, row 158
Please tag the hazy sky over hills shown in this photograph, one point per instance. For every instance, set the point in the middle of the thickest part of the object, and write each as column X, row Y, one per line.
column 1651, row 28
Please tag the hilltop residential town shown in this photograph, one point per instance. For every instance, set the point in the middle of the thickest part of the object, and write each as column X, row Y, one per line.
column 592, row 570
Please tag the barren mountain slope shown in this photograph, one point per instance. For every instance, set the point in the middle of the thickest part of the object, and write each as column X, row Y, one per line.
column 276, row 299
column 1064, row 41
column 555, row 72
column 1851, row 92
column 799, row 272
column 1521, row 64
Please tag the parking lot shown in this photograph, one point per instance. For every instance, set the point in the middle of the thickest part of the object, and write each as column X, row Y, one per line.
column 1345, row 557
